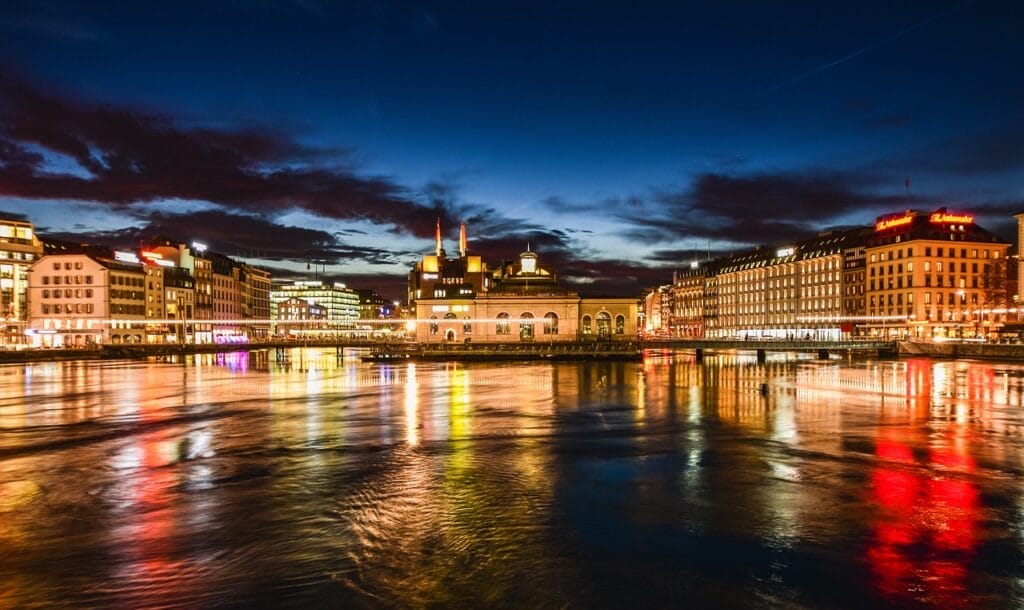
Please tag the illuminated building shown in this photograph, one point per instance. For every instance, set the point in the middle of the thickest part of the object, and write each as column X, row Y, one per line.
column 936, row 275
column 80, row 300
column 793, row 291
column 687, row 312
column 340, row 303
column 19, row 247
column 200, row 267
column 462, row 300
column 295, row 315
column 227, row 300
column 179, row 303
column 440, row 277
column 218, row 290
column 157, row 331
column 254, row 292
column 658, row 307
column 913, row 274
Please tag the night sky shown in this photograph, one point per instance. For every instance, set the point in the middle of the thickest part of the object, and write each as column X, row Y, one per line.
column 619, row 140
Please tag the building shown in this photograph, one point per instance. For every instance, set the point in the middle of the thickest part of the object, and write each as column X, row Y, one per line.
column 82, row 300
column 936, row 275
column 462, row 300
column 227, row 301
column 200, row 269
column 19, row 248
column 296, row 317
column 340, row 303
column 180, row 304
column 913, row 274
column 440, row 277
column 254, row 288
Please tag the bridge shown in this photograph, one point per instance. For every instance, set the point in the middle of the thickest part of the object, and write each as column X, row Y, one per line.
column 763, row 346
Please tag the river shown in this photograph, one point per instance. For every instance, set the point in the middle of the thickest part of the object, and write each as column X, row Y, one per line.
column 317, row 480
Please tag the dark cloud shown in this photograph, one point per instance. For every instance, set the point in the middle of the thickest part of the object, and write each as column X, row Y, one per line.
column 759, row 208
column 996, row 149
column 243, row 236
column 127, row 156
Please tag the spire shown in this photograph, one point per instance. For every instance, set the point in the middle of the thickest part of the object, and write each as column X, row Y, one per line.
column 462, row 240
column 437, row 237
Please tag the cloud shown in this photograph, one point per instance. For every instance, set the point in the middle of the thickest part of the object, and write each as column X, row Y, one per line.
column 245, row 236
column 760, row 207
column 991, row 150
column 127, row 156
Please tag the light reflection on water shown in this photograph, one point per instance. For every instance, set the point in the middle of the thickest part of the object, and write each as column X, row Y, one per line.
column 313, row 478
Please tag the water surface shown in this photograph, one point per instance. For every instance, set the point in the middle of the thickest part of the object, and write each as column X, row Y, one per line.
column 241, row 480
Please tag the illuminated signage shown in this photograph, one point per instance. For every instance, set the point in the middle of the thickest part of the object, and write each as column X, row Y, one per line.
column 430, row 276
column 694, row 265
column 943, row 218
column 888, row 223
column 152, row 255
column 785, row 252
column 127, row 257
column 439, row 308
column 164, row 263
column 200, row 247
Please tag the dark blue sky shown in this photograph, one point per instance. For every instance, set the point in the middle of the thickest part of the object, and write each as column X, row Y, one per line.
column 617, row 138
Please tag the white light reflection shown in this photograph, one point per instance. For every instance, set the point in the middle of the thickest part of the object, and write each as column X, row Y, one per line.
column 412, row 405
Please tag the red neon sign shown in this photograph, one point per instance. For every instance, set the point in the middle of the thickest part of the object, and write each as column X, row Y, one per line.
column 942, row 217
column 889, row 223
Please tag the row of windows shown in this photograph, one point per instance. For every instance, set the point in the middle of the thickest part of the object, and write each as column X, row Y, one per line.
column 66, row 279
column 135, row 295
column 67, row 308
column 951, row 298
column 18, row 256
column 940, row 252
column 130, row 310
column 986, row 268
column 68, row 266
column 67, row 293
column 121, row 280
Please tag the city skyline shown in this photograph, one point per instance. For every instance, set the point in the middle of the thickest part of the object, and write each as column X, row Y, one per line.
column 619, row 144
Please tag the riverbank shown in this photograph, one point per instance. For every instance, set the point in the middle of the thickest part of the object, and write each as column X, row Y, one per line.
column 953, row 349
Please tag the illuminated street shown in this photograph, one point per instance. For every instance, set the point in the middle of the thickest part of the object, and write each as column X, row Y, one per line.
column 241, row 480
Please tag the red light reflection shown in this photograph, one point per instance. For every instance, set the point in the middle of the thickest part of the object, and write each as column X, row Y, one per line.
column 926, row 530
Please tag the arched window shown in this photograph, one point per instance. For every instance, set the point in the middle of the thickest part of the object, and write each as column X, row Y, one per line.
column 502, row 327
column 604, row 325
column 620, row 325
column 586, row 325
column 550, row 323
column 449, row 316
column 526, row 326
column 433, row 325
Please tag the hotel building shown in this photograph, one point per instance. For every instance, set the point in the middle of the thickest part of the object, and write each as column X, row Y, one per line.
column 936, row 275
column 913, row 274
